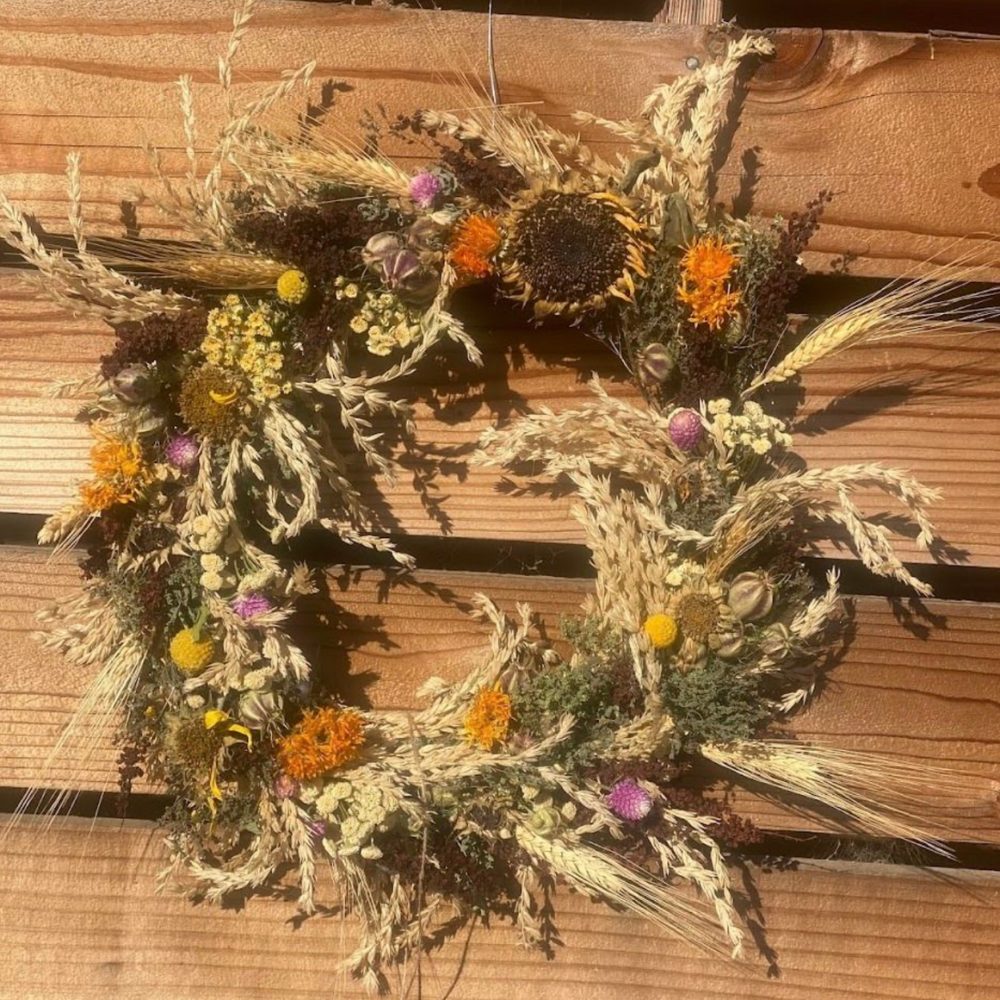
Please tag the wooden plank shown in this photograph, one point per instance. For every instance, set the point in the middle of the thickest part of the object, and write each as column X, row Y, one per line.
column 929, row 406
column 79, row 919
column 893, row 124
column 927, row 692
column 690, row 12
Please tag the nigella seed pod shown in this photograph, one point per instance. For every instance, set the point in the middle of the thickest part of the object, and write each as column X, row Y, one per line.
column 379, row 247
column 135, row 384
column 685, row 429
column 751, row 596
column 399, row 266
column 258, row 707
column 544, row 820
column 657, row 365
column 405, row 274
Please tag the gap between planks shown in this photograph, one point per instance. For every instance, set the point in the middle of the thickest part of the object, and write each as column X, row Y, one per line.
column 918, row 681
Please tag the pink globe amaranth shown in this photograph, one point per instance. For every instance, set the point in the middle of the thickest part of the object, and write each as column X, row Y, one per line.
column 685, row 428
column 285, row 787
column 629, row 800
column 248, row 605
column 182, row 451
column 424, row 188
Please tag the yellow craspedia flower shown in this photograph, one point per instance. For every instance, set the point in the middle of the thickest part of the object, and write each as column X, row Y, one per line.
column 190, row 653
column 661, row 630
column 487, row 721
column 292, row 287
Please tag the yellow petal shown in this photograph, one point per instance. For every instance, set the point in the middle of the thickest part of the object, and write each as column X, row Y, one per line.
column 213, row 717
column 241, row 731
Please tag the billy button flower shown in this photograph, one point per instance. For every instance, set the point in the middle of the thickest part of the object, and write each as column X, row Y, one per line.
column 569, row 251
column 191, row 650
column 661, row 630
column 292, row 287
column 487, row 720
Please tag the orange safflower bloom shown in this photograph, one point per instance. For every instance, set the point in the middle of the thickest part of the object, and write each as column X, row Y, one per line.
column 112, row 458
column 325, row 739
column 475, row 240
column 120, row 473
column 705, row 268
column 487, row 721
column 98, row 496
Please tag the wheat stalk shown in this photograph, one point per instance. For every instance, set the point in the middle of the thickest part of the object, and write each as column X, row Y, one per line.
column 885, row 797
column 594, row 871
column 932, row 303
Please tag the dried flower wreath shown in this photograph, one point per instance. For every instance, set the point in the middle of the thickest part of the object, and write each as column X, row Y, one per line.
column 214, row 422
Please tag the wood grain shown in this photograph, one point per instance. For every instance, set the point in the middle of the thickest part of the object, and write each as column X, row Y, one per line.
column 894, row 124
column 839, row 931
column 917, row 682
column 928, row 406
column 690, row 12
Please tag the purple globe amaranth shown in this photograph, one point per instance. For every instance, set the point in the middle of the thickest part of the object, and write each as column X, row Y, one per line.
column 686, row 429
column 424, row 188
column 629, row 800
column 285, row 787
column 249, row 605
column 182, row 451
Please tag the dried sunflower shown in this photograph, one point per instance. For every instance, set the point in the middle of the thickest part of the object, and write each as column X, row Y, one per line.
column 705, row 622
column 569, row 251
column 209, row 402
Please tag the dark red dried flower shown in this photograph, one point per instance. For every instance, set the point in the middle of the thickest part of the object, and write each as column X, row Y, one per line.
column 154, row 338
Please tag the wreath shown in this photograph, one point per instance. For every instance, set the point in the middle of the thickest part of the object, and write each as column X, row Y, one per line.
column 241, row 391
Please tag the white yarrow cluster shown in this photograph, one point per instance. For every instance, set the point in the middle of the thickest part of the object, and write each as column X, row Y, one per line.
column 752, row 429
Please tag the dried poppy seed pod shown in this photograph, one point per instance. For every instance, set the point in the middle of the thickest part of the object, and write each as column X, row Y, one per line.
column 657, row 365
column 423, row 234
column 728, row 643
column 751, row 596
column 135, row 384
column 776, row 642
column 379, row 247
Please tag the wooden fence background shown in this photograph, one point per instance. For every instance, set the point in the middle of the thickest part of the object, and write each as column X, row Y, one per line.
column 901, row 126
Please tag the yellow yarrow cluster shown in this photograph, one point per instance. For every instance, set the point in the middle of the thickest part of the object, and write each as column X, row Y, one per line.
column 243, row 340
column 661, row 630
column 388, row 322
column 190, row 652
